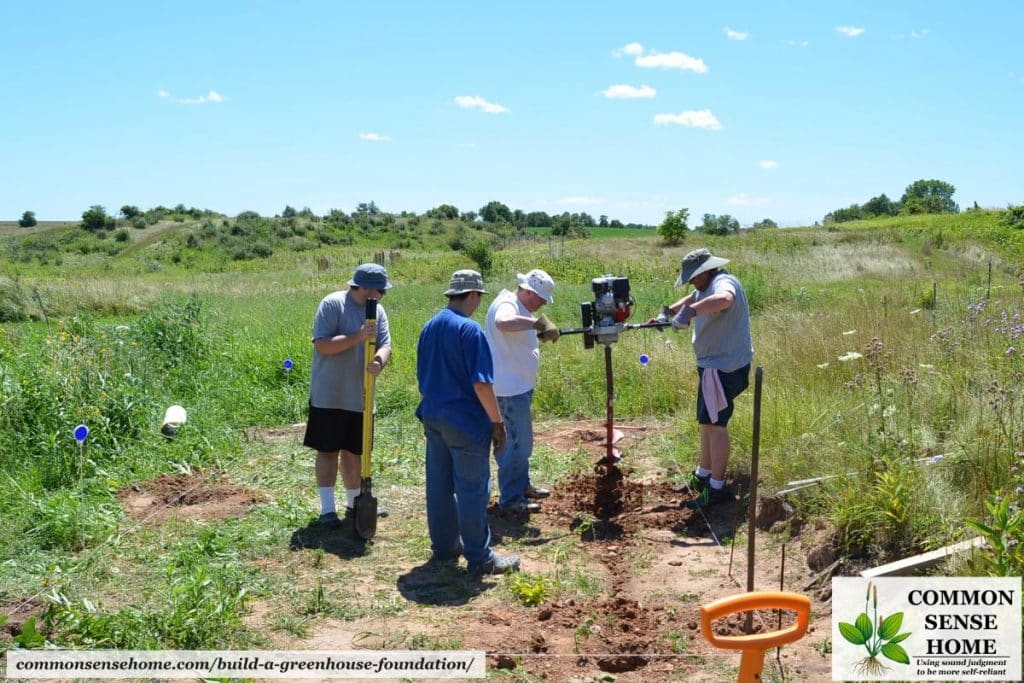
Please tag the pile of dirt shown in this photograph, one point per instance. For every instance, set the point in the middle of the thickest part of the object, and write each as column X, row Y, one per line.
column 192, row 496
column 616, row 506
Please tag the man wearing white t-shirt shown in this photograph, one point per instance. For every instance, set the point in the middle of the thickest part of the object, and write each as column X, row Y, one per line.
column 513, row 333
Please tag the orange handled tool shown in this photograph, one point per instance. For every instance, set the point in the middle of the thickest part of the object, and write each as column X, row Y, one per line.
column 754, row 646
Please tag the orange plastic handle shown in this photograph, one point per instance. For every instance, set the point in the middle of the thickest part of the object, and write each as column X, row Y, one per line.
column 794, row 602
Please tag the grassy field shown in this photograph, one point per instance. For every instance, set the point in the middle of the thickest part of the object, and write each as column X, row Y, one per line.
column 884, row 347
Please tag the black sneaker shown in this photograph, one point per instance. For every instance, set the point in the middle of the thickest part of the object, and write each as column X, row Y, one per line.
column 710, row 496
column 498, row 564
column 330, row 520
column 452, row 556
column 696, row 484
column 521, row 506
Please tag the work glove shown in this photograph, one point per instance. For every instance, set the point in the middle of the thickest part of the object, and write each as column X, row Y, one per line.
column 664, row 317
column 683, row 318
column 498, row 437
column 546, row 329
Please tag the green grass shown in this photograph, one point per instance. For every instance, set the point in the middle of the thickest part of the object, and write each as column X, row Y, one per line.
column 109, row 342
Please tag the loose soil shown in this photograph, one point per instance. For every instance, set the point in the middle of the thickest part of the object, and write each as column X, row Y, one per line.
column 656, row 559
column 193, row 496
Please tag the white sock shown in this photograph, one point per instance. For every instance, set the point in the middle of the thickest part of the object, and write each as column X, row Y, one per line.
column 701, row 472
column 326, row 499
column 717, row 483
column 351, row 494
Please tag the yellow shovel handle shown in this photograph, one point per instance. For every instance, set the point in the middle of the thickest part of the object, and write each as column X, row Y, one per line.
column 370, row 349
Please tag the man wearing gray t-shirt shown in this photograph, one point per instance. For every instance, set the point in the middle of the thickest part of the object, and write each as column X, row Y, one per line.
column 722, row 345
column 335, row 425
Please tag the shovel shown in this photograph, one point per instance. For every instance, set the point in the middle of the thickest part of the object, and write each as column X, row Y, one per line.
column 366, row 504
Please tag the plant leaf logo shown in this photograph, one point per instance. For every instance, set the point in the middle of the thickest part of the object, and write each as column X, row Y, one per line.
column 879, row 636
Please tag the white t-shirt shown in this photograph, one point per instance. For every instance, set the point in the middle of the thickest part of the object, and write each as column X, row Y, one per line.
column 516, row 354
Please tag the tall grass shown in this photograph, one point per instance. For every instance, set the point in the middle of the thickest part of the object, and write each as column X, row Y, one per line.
column 936, row 376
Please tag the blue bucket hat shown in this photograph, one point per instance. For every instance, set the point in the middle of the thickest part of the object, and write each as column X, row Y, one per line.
column 370, row 276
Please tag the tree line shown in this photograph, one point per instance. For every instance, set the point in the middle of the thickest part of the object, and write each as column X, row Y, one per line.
column 921, row 196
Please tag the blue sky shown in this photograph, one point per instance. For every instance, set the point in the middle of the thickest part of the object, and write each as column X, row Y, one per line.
column 626, row 109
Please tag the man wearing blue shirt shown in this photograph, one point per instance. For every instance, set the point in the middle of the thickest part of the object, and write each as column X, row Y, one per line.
column 461, row 420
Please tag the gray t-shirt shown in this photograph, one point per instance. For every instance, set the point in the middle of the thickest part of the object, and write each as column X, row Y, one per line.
column 722, row 340
column 336, row 381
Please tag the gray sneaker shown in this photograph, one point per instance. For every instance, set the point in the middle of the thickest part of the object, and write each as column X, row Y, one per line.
column 498, row 564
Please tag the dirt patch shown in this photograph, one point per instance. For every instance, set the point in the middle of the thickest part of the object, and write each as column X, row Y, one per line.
column 591, row 437
column 192, row 496
column 18, row 612
column 291, row 433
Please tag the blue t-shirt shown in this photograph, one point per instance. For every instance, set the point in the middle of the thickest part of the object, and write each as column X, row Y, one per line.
column 452, row 356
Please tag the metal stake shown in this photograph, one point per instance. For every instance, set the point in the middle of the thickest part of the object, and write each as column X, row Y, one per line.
column 752, row 509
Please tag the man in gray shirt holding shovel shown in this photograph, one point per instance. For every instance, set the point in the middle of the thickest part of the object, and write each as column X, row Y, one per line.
column 335, row 425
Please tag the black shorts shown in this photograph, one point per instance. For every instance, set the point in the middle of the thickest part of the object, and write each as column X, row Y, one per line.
column 733, row 384
column 329, row 430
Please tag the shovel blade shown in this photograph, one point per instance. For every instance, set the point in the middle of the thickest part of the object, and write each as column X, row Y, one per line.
column 366, row 515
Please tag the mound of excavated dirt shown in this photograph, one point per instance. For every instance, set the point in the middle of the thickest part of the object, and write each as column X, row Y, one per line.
column 193, row 496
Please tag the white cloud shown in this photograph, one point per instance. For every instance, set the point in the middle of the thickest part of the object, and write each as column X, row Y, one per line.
column 796, row 43
column 374, row 137
column 768, row 163
column 629, row 92
column 702, row 118
column 630, row 50
column 735, row 35
column 474, row 102
column 742, row 199
column 163, row 94
column 671, row 60
column 580, row 201
column 850, row 31
column 919, row 34
column 212, row 96
column 662, row 60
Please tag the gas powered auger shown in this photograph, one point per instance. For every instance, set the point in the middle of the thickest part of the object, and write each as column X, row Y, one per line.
column 603, row 319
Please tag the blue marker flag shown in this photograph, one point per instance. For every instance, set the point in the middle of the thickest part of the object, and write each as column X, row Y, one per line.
column 81, row 433
column 644, row 359
column 288, row 364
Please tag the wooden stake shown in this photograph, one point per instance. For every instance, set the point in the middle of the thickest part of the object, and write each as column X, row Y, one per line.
column 752, row 509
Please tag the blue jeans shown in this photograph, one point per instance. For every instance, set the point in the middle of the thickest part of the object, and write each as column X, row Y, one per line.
column 514, row 459
column 458, row 488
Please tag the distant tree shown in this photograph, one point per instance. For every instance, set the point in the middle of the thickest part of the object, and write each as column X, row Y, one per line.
column 586, row 220
column 468, row 217
column 929, row 196
column 28, row 219
column 766, row 223
column 247, row 216
column 854, row 212
column 444, row 211
column 306, row 212
column 129, row 211
column 518, row 219
column 538, row 219
column 95, row 219
column 881, row 206
column 368, row 209
column 494, row 212
column 616, row 223
column 289, row 212
column 673, row 229
column 719, row 225
column 602, row 221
